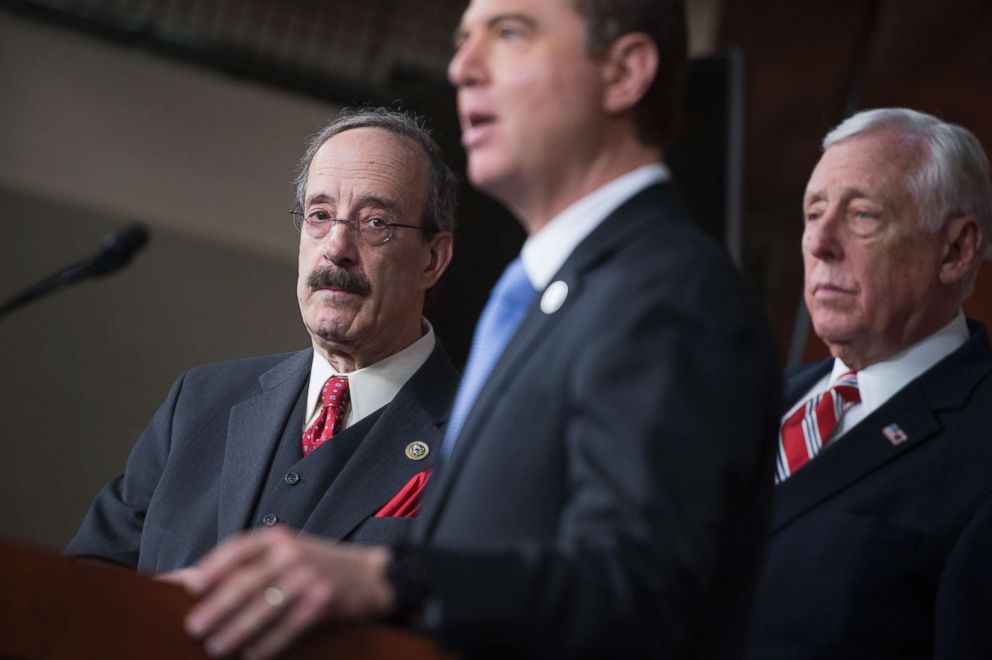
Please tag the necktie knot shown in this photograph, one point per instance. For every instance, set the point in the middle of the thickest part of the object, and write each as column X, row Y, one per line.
column 807, row 430
column 334, row 399
column 846, row 387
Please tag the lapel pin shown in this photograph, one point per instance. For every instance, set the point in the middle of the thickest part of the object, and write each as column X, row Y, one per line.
column 554, row 297
column 417, row 450
column 894, row 434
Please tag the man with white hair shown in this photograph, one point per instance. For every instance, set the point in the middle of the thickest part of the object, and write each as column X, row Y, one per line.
column 898, row 212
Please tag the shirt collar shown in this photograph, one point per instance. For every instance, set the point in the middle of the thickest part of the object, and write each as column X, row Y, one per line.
column 878, row 382
column 545, row 252
column 373, row 386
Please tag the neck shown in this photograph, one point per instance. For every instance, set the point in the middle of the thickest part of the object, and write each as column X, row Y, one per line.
column 537, row 201
column 858, row 355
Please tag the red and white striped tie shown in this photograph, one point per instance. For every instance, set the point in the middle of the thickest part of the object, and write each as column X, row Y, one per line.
column 809, row 428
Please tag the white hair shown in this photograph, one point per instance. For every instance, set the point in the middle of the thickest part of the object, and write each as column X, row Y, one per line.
column 952, row 178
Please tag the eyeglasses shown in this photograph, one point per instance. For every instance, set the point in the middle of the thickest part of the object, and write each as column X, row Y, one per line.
column 374, row 230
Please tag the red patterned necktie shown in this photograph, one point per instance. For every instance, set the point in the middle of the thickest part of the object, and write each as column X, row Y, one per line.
column 808, row 429
column 334, row 398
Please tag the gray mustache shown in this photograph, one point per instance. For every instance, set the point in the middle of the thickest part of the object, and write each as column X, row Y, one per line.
column 335, row 278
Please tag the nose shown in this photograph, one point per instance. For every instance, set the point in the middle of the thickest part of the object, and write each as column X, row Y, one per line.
column 340, row 246
column 822, row 239
column 465, row 68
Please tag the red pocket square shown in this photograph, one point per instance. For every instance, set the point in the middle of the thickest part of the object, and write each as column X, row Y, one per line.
column 406, row 502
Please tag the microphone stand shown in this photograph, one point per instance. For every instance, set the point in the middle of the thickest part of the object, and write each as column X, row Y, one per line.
column 116, row 250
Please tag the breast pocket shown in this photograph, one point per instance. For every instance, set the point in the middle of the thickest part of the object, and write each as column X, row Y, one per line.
column 381, row 531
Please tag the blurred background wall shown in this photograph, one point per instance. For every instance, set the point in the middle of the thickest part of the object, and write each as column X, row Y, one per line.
column 95, row 135
column 190, row 115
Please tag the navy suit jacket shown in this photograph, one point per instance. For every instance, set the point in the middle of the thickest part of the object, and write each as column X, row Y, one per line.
column 864, row 558
column 607, row 495
column 199, row 471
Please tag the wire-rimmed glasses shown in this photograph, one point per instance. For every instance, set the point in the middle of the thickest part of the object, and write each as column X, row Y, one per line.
column 374, row 230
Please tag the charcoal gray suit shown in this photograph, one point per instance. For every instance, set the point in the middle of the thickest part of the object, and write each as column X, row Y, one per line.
column 222, row 455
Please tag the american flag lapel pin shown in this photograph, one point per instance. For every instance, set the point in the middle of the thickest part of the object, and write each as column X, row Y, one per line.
column 894, row 434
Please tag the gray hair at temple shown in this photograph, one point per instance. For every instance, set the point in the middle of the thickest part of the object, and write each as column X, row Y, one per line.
column 439, row 212
column 952, row 178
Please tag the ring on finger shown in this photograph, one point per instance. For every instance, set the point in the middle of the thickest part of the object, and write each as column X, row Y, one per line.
column 274, row 596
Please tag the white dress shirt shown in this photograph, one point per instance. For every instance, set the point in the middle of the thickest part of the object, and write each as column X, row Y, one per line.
column 879, row 382
column 546, row 251
column 373, row 386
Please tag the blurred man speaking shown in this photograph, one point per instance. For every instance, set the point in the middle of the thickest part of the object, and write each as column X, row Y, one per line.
column 610, row 449
column 884, row 455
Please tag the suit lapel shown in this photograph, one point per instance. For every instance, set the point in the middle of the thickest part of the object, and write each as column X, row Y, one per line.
column 866, row 448
column 856, row 454
column 640, row 213
column 379, row 466
column 255, row 427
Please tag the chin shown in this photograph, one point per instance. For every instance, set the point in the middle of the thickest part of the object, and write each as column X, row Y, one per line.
column 486, row 174
column 333, row 330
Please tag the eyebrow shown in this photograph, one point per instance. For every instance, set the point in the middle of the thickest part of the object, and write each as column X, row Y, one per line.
column 319, row 198
column 460, row 32
column 847, row 195
column 365, row 201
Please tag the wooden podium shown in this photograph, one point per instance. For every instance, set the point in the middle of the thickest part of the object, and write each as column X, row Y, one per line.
column 56, row 608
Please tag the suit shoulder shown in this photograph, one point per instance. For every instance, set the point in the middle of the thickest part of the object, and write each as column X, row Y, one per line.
column 247, row 369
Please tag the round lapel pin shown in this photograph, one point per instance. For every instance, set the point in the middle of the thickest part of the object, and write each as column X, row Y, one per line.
column 554, row 297
column 417, row 450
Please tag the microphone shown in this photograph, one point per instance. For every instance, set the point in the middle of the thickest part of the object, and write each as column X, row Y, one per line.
column 116, row 250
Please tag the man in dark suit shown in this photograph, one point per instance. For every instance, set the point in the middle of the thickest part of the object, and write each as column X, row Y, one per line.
column 248, row 443
column 885, row 456
column 607, row 474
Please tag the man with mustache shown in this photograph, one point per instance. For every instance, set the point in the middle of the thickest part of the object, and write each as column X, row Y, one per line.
column 884, row 456
column 608, row 462
column 337, row 440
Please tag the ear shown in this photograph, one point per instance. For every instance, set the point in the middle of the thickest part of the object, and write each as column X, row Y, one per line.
column 440, row 245
column 631, row 64
column 963, row 239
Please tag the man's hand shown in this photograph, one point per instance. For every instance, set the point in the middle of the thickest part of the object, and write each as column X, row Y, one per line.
column 262, row 590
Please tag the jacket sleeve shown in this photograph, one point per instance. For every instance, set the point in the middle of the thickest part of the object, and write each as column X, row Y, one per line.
column 113, row 526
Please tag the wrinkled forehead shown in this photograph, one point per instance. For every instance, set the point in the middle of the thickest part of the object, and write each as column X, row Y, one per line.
column 369, row 163
column 880, row 163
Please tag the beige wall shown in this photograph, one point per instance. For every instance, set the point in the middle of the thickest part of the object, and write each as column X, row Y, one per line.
column 93, row 136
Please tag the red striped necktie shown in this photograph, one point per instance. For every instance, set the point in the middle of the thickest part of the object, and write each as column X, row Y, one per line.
column 809, row 428
column 334, row 398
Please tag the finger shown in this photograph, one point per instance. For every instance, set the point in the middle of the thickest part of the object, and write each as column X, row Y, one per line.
column 182, row 577
column 308, row 610
column 311, row 594
column 228, row 556
column 237, row 590
column 247, row 623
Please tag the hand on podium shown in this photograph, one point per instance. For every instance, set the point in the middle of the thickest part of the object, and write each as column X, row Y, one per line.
column 262, row 590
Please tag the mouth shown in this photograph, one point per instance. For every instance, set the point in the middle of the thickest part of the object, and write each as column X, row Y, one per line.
column 476, row 124
column 826, row 290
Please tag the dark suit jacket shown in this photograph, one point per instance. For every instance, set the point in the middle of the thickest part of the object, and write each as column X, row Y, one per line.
column 607, row 495
column 216, row 451
column 862, row 536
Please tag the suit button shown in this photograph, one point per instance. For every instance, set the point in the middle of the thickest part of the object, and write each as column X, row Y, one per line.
column 291, row 478
column 270, row 519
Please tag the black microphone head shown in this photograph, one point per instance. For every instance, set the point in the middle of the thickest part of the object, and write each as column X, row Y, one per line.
column 117, row 249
